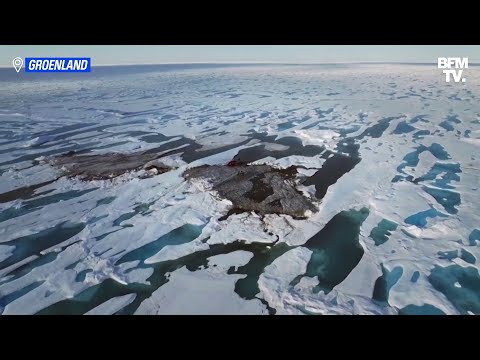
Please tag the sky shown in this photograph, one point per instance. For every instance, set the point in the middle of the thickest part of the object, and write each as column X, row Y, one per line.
column 160, row 54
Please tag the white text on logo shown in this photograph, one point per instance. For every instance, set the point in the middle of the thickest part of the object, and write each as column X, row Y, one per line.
column 458, row 64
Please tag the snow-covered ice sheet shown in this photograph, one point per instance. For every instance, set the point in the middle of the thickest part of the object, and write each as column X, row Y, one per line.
column 112, row 305
column 207, row 291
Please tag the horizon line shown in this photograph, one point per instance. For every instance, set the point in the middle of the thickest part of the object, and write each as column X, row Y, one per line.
column 264, row 63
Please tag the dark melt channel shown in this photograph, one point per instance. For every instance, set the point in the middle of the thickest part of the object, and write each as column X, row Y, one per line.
column 335, row 250
column 178, row 236
column 193, row 151
column 37, row 203
column 33, row 244
column 377, row 130
column 26, row 192
column 335, row 166
column 295, row 147
column 332, row 170
column 247, row 287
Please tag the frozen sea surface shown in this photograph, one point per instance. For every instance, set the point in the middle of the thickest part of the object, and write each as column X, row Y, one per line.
column 387, row 153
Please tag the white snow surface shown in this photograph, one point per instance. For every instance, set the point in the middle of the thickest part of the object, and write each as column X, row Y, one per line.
column 112, row 305
column 207, row 291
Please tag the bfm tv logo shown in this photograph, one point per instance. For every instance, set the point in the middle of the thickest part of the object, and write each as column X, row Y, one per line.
column 458, row 63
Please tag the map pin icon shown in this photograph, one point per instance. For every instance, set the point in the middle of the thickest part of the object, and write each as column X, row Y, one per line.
column 17, row 63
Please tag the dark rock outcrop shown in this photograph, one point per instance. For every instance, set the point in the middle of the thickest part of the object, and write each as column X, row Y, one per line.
column 108, row 166
column 259, row 188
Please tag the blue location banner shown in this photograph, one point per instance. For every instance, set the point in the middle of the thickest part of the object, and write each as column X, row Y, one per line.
column 57, row 64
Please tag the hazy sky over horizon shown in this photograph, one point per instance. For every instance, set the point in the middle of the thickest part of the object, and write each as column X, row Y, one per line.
column 157, row 54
